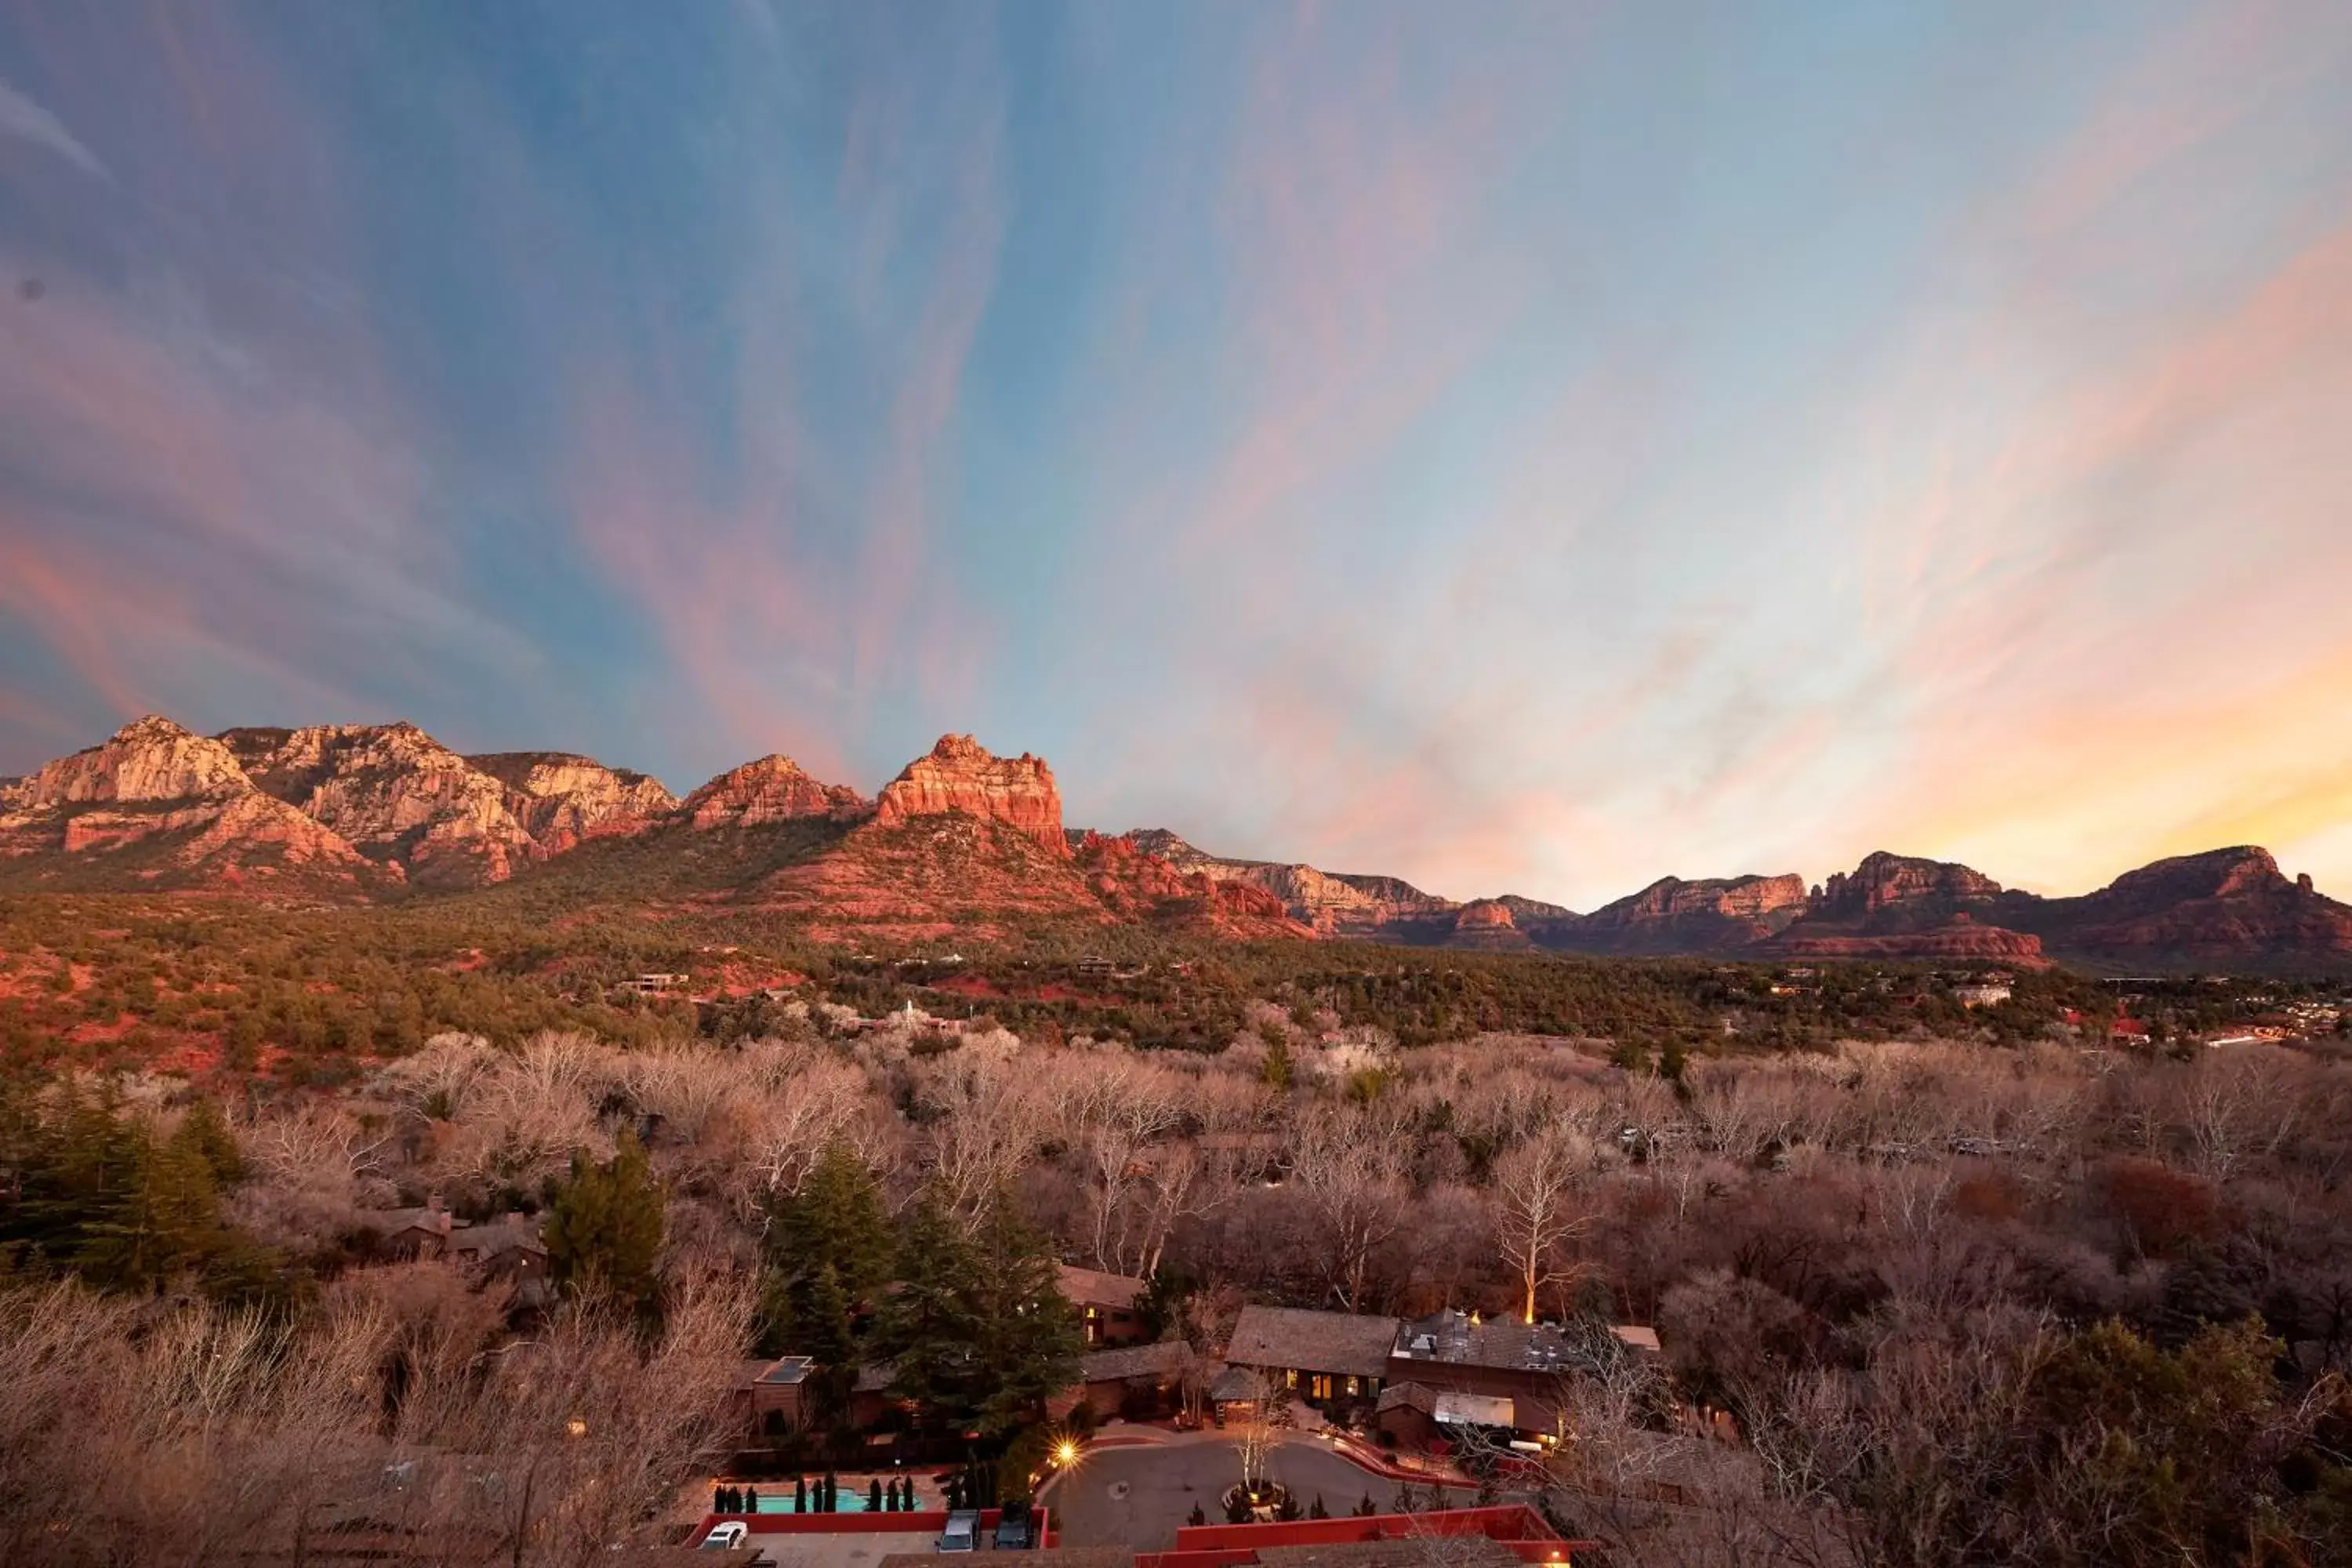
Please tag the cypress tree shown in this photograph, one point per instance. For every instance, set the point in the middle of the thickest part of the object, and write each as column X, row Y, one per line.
column 874, row 1496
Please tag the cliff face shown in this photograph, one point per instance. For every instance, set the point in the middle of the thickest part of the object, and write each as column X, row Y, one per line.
column 158, row 806
column 961, row 775
column 1900, row 884
column 773, row 789
column 2225, row 905
column 1670, row 915
column 1137, row 884
column 1487, row 924
column 397, row 794
column 147, row 759
column 1329, row 903
column 561, row 799
column 1959, row 939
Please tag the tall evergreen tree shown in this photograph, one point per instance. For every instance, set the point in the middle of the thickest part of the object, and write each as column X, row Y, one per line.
column 604, row 1233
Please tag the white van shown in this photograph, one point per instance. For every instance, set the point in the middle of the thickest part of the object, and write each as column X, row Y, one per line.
column 962, row 1534
column 726, row 1537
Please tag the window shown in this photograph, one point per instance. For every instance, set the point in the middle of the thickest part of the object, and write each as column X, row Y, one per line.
column 1352, row 1389
column 1290, row 1377
column 1319, row 1387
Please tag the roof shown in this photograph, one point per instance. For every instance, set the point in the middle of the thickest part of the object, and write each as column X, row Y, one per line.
column 1503, row 1344
column 1164, row 1359
column 1235, row 1382
column 1091, row 1288
column 1640, row 1339
column 876, row 1378
column 513, row 1233
column 393, row 1222
column 1409, row 1396
column 1313, row 1341
column 791, row 1369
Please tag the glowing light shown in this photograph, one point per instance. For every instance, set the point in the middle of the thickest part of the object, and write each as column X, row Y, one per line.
column 576, row 1427
column 1066, row 1452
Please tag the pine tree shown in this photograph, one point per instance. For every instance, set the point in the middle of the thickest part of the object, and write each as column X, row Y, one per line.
column 874, row 1496
column 604, row 1234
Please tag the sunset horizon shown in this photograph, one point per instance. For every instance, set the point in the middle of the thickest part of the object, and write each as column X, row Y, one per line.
column 1545, row 450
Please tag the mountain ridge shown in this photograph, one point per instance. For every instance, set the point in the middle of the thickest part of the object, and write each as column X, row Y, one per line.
column 964, row 839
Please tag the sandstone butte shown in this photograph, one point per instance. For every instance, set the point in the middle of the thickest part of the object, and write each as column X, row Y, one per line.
column 773, row 789
column 961, row 775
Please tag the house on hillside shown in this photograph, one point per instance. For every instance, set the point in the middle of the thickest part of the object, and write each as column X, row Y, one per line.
column 508, row 1250
column 1109, row 1305
column 413, row 1234
column 1322, row 1357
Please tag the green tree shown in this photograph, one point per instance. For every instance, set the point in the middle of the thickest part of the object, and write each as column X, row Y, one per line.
column 825, row 1252
column 977, row 1330
column 1276, row 1072
column 604, row 1232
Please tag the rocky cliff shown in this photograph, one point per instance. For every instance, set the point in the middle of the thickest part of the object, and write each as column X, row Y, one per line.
column 1901, row 886
column 559, row 798
column 1487, row 924
column 158, row 806
column 395, row 794
column 147, row 759
column 2223, row 907
column 960, row 774
column 1137, row 884
column 1670, row 915
column 1329, row 903
column 773, row 789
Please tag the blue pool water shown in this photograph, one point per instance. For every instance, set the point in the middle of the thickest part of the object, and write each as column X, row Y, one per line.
column 781, row 1501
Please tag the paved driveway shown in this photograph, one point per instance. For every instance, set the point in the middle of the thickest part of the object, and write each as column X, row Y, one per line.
column 1139, row 1497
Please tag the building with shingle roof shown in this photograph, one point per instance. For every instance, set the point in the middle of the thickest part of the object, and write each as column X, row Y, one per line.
column 1322, row 1356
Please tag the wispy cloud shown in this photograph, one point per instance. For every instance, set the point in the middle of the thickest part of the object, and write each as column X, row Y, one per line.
column 28, row 121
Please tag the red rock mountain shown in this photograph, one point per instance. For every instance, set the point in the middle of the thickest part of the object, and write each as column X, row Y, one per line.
column 1329, row 903
column 395, row 794
column 559, row 798
column 961, row 775
column 965, row 841
column 157, row 805
column 2222, row 907
column 774, row 789
column 1139, row 885
column 1487, row 924
column 1671, row 915
column 1900, row 885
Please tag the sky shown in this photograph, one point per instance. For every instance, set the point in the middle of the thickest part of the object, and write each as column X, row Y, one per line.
column 1520, row 447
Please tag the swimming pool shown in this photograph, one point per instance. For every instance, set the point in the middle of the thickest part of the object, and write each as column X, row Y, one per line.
column 781, row 1501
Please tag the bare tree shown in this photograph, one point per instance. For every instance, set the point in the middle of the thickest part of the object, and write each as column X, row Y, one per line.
column 1538, row 1209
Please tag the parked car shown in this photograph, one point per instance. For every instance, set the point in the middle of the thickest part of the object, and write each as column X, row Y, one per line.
column 1014, row 1527
column 726, row 1537
column 962, row 1534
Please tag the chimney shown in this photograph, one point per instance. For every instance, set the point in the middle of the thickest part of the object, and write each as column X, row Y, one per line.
column 2304, row 881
